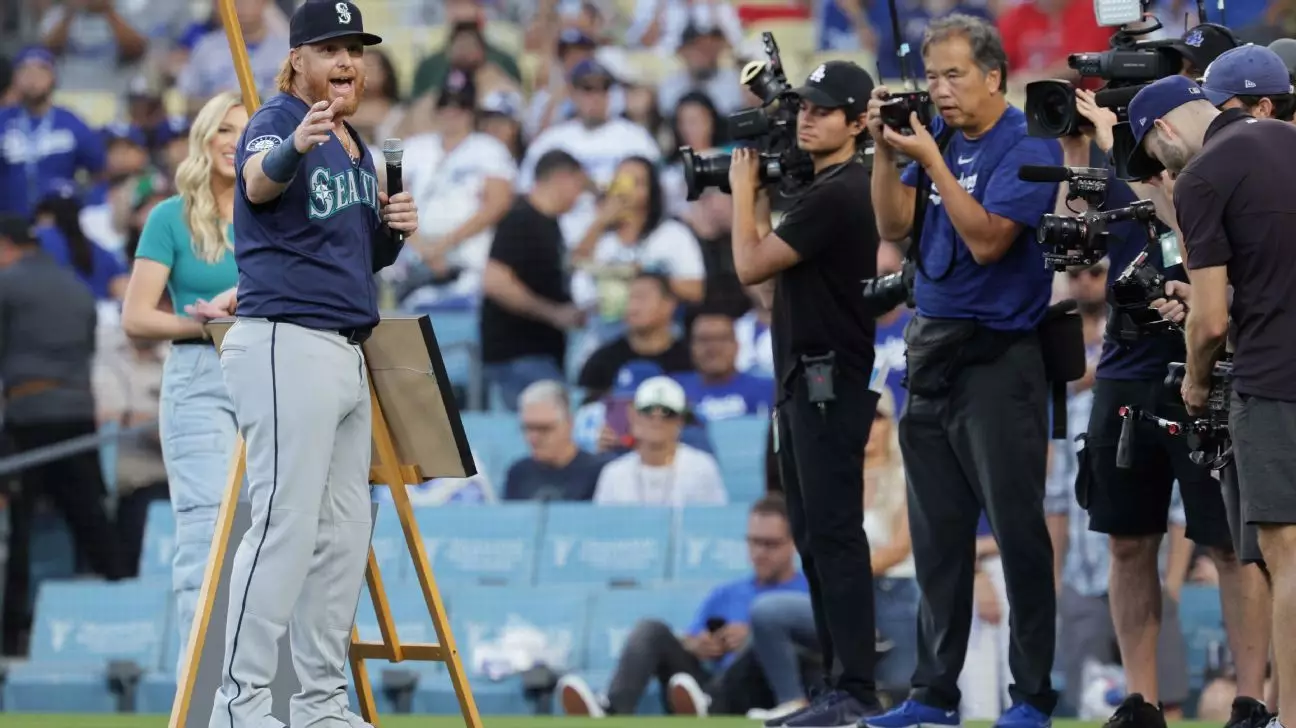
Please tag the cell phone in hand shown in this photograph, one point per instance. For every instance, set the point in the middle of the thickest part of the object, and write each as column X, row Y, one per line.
column 715, row 624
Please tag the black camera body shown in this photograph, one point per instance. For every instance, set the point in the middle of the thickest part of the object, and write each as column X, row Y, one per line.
column 897, row 108
column 1209, row 440
column 771, row 128
column 1081, row 239
column 1132, row 295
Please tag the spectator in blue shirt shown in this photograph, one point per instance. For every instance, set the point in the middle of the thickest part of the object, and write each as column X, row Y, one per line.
column 889, row 345
column 974, row 432
column 714, row 650
column 556, row 469
column 716, row 390
column 38, row 140
column 58, row 228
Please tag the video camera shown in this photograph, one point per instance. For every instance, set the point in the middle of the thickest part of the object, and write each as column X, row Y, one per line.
column 1209, row 441
column 770, row 126
column 1132, row 295
column 1081, row 240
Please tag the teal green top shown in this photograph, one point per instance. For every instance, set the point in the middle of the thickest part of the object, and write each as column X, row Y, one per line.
column 166, row 239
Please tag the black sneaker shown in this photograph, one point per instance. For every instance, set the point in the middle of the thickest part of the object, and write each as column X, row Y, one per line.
column 1135, row 712
column 1248, row 713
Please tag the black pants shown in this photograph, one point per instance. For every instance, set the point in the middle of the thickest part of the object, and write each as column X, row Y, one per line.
column 821, row 462
column 75, row 485
column 652, row 650
column 982, row 446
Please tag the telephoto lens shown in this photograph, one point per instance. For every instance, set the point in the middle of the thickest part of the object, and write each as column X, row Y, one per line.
column 1051, row 109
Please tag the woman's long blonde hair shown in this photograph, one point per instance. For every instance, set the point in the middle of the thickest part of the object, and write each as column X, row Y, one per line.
column 193, row 181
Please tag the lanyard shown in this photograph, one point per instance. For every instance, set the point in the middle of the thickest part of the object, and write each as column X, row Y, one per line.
column 32, row 138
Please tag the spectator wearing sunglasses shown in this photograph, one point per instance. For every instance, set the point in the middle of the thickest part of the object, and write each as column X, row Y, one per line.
column 660, row 470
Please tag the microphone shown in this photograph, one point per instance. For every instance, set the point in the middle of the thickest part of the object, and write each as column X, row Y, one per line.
column 1042, row 173
column 1117, row 98
column 393, row 150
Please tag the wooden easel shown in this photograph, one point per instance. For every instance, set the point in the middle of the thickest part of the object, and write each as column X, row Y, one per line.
column 387, row 469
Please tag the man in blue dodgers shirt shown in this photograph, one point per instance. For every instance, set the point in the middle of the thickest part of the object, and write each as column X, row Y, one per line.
column 1131, row 505
column 974, row 430
column 311, row 227
column 38, row 140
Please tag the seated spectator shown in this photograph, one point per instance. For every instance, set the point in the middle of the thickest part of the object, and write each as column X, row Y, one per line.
column 61, row 234
column 551, row 102
column 783, row 622
column 39, row 141
column 660, row 470
column 714, row 650
column 698, row 125
column 499, row 115
column 99, row 42
column 716, row 389
column 662, row 23
column 126, row 151
column 526, row 310
column 556, row 469
column 649, row 315
column 602, row 426
column 380, row 111
column 467, row 178
column 467, row 50
column 700, row 50
column 210, row 68
column 755, row 341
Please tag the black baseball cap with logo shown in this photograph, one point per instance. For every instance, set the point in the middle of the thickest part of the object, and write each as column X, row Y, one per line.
column 838, row 85
column 1202, row 44
column 319, row 20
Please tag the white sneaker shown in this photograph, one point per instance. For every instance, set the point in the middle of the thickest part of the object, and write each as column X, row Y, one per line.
column 577, row 698
column 777, row 712
column 687, row 697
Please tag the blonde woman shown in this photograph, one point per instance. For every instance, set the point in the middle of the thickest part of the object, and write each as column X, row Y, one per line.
column 782, row 624
column 186, row 252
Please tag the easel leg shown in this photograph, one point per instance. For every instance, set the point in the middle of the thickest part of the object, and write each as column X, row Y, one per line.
column 211, row 576
column 364, row 690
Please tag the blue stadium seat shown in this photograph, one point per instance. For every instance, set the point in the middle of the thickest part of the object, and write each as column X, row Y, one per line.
column 740, row 450
column 482, row 544
column 615, row 612
column 389, row 546
column 159, row 540
column 413, row 624
column 458, row 335
column 711, row 544
column 601, row 545
column 497, row 441
column 52, row 554
column 157, row 688
column 1203, row 624
column 487, row 621
column 80, row 628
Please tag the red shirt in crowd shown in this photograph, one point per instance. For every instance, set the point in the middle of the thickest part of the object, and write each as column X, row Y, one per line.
column 1035, row 41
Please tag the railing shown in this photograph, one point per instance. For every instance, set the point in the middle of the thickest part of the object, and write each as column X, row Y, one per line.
column 74, row 446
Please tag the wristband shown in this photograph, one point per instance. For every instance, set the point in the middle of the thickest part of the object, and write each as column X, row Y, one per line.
column 280, row 163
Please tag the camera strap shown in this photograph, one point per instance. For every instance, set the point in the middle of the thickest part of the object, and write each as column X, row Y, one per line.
column 921, row 194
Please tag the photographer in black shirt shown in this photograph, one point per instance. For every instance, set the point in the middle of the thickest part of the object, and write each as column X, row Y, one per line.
column 825, row 245
column 1232, row 195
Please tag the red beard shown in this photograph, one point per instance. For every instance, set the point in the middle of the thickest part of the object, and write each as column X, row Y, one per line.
column 319, row 89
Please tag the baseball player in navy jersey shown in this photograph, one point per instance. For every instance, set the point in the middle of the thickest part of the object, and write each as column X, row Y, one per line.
column 311, row 227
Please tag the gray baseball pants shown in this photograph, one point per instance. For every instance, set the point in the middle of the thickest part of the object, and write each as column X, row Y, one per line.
column 301, row 397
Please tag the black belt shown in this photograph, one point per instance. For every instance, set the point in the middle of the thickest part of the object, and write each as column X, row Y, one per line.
column 200, row 341
column 355, row 336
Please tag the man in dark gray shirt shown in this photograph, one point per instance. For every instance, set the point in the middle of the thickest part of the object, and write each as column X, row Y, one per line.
column 47, row 342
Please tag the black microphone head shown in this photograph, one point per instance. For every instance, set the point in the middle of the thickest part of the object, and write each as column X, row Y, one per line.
column 1042, row 173
column 393, row 150
column 1117, row 98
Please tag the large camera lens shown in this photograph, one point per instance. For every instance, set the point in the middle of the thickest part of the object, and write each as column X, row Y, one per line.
column 1051, row 109
column 1059, row 231
column 703, row 171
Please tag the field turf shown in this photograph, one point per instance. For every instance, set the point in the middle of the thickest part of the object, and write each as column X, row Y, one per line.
column 156, row 721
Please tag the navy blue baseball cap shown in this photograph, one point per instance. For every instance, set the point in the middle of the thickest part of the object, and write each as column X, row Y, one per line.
column 35, row 54
column 120, row 131
column 1249, row 70
column 590, row 68
column 1152, row 102
column 319, row 20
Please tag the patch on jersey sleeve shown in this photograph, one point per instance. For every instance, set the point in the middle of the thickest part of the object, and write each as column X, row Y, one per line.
column 264, row 143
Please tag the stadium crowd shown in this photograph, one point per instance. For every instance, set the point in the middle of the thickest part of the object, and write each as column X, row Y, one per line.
column 606, row 317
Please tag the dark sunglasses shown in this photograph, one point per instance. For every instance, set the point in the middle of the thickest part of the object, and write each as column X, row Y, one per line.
column 666, row 412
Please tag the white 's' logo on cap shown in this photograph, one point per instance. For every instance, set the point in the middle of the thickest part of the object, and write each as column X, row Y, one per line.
column 818, row 75
column 344, row 13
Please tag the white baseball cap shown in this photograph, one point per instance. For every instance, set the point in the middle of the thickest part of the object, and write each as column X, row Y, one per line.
column 661, row 392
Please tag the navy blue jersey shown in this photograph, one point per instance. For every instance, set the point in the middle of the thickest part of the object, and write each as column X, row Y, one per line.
column 307, row 256
column 1147, row 357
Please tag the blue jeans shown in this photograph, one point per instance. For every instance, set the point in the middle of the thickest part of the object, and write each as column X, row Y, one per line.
column 197, row 428
column 515, row 375
column 782, row 622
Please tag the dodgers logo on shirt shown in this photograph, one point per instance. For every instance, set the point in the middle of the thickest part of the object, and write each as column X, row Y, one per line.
column 264, row 143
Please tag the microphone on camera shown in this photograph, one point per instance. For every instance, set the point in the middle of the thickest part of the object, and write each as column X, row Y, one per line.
column 1043, row 173
column 1117, row 98
column 393, row 150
